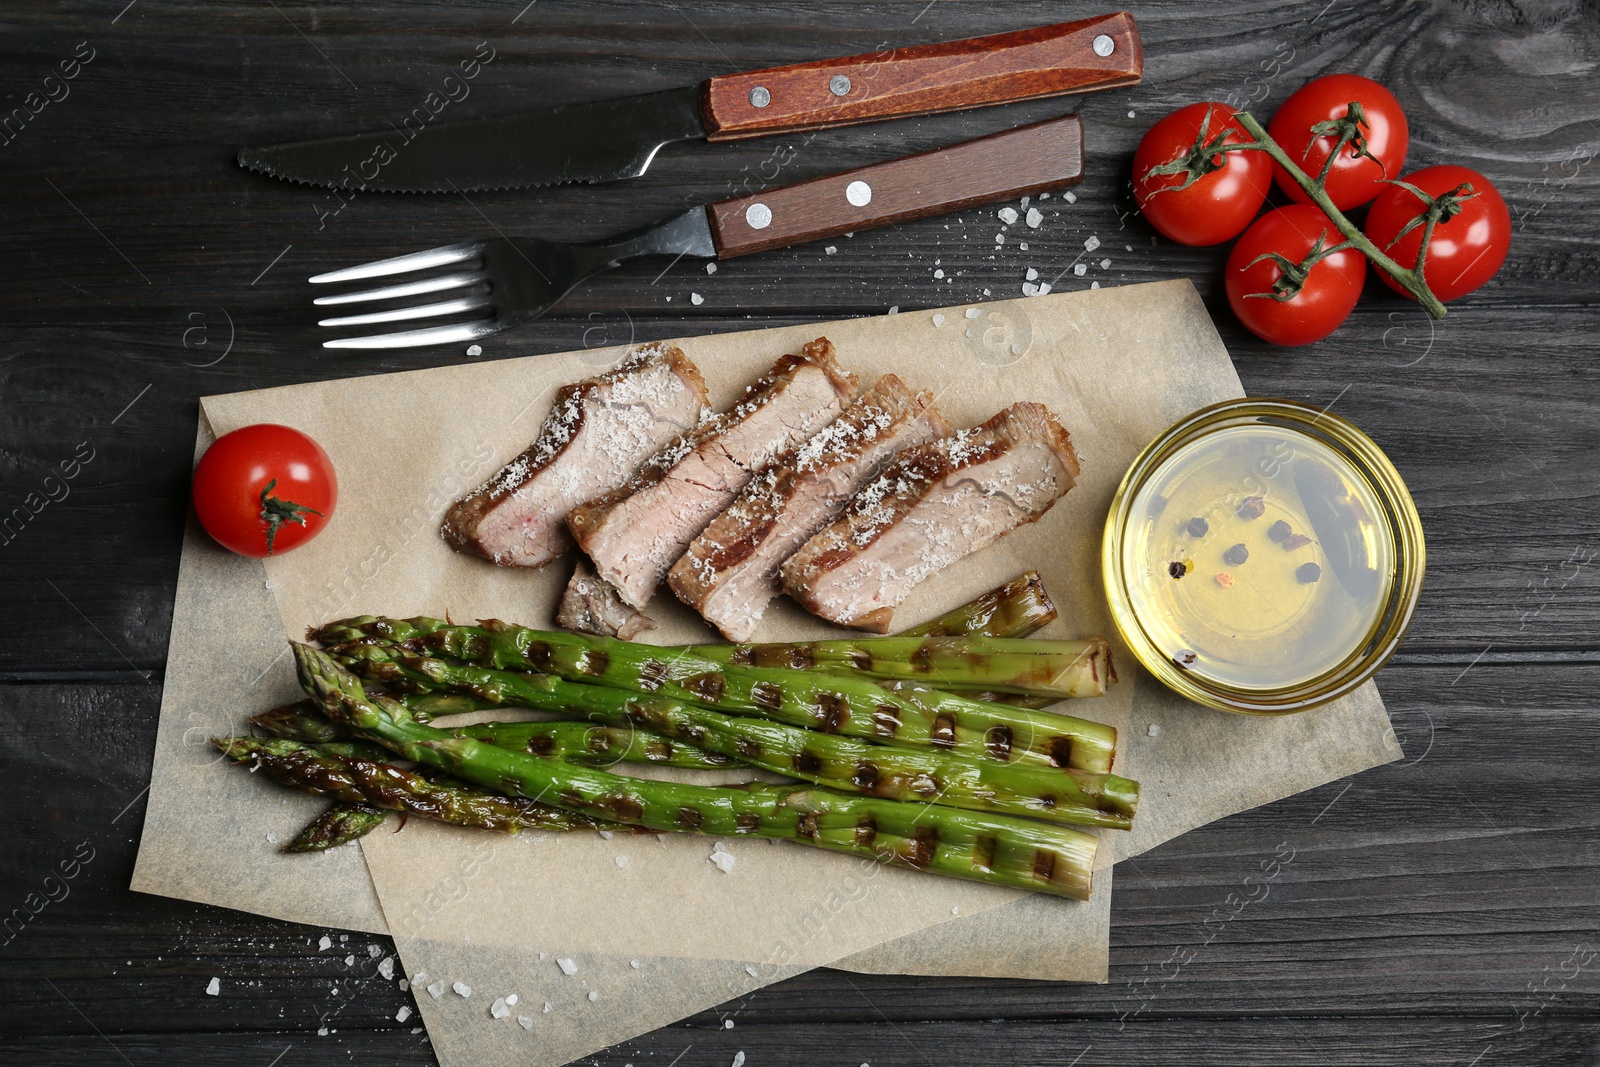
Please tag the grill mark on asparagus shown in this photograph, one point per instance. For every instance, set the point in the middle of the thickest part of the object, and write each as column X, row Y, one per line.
column 866, row 831
column 747, row 747
column 1061, row 751
column 943, row 730
column 1044, row 864
column 983, row 850
column 807, row 762
column 766, row 695
column 708, row 687
column 832, row 712
column 806, row 826
column 747, row 824
column 923, row 844
column 594, row 662
column 690, row 818
column 998, row 741
column 866, row 776
column 538, row 653
column 541, row 745
column 885, row 720
column 652, row 675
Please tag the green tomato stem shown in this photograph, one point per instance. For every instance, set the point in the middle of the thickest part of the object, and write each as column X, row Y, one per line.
column 1412, row 279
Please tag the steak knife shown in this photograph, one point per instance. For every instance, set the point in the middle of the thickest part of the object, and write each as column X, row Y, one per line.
column 613, row 139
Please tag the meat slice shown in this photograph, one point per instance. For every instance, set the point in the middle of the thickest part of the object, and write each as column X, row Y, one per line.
column 591, row 606
column 730, row 572
column 636, row 531
column 934, row 505
column 597, row 434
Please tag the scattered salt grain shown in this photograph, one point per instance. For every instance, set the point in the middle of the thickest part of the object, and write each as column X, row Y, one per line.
column 711, row 268
column 1091, row 242
column 322, row 1031
column 546, row 1008
column 1035, row 218
column 525, row 1022
column 1152, row 730
column 1070, row 197
column 938, row 320
column 605, row 835
column 727, row 1024
column 938, row 274
column 1105, row 264
column 1127, row 248
column 1080, row 269
column 272, row 839
column 622, row 861
column 511, row 999
column 419, row 978
column 696, row 299
column 955, row 911
column 750, row 969
column 973, row 313
column 1025, row 201
column 738, row 1059
column 594, row 995
column 987, row 293
column 831, row 250
column 403, row 1014
column 343, row 938
column 499, row 1009
column 436, row 990
column 404, row 985
column 999, row 238
column 214, row 988
column 1032, row 275
column 895, row 310
column 462, row 989
column 325, row 944
column 568, row 967
column 386, row 968
column 1008, row 215
column 474, row 350
column 1030, row 289
column 1023, row 245
column 1132, row 114
column 374, row 951
column 1094, row 285
column 349, row 961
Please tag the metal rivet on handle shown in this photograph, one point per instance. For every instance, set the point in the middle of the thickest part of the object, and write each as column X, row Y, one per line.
column 758, row 215
column 1104, row 46
column 858, row 193
column 759, row 97
column 839, row 85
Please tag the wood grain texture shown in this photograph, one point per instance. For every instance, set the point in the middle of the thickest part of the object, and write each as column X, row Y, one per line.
column 1437, row 909
column 1044, row 156
column 926, row 79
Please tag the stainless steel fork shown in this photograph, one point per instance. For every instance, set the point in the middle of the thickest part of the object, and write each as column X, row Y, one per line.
column 490, row 286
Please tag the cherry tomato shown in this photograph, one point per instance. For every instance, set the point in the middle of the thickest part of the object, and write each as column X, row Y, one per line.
column 264, row 489
column 1354, row 179
column 1221, row 202
column 1331, row 286
column 1465, row 250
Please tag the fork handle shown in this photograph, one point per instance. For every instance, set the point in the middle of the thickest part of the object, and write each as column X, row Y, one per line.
column 1070, row 57
column 1030, row 159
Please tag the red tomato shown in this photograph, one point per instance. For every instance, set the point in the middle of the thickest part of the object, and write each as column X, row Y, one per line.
column 1464, row 252
column 264, row 489
column 1221, row 202
column 1331, row 287
column 1353, row 180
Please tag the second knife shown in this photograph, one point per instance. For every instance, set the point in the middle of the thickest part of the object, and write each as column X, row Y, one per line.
column 614, row 139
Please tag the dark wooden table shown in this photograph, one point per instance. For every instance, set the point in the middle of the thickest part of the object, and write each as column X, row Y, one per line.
column 1441, row 910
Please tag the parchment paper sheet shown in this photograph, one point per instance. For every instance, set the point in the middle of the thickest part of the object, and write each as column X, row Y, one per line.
column 1117, row 365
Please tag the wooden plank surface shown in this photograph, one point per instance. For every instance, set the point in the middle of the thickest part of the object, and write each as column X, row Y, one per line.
column 1442, row 910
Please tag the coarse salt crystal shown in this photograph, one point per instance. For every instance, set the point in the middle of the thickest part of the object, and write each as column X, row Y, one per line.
column 938, row 274
column 1044, row 288
column 1094, row 285
column 1132, row 114
column 1008, row 215
column 374, row 951
column 696, row 299
column 1070, row 197
column 1105, row 264
column 1022, row 245
column 750, row 969
column 419, row 978
column 1080, row 269
column 1152, row 730
column 724, row 861
column 546, row 1008
column 830, row 250
column 955, row 911
column 404, row 985
column 325, row 944
column 462, row 989
column 474, row 350
column 568, row 967
column 386, row 968
column 938, row 320
column 525, row 1022
column 272, row 839
column 711, row 268
column 987, row 293
column 436, row 990
column 349, row 961
column 605, row 835
column 634, row 964
column 622, row 861
column 1032, row 275
column 594, row 995
column 1025, row 200
column 1090, row 243
column 499, row 1009
column 973, row 313
column 895, row 310
column 403, row 1014
column 1035, row 218
column 214, row 988
column 738, row 1059
column 322, row 1031
column 1030, row 289
column 727, row 1024
column 999, row 238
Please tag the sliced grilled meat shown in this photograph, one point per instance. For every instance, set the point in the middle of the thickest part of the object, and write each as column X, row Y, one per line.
column 934, row 505
column 636, row 531
column 730, row 572
column 591, row 606
column 595, row 436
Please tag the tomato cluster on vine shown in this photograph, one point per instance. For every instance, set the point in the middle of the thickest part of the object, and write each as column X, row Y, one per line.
column 1202, row 175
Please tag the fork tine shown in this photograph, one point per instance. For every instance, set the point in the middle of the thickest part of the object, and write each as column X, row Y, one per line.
column 420, row 311
column 427, row 285
column 433, row 257
column 436, row 335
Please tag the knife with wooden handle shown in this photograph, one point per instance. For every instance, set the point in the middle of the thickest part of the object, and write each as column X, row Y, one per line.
column 614, row 139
